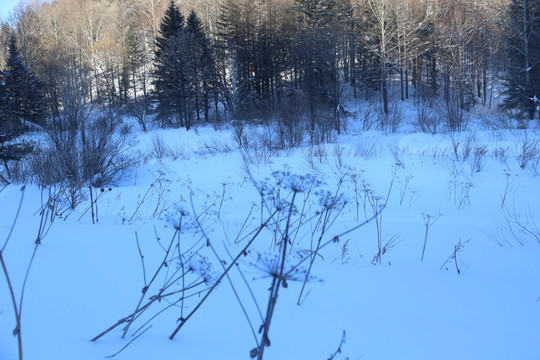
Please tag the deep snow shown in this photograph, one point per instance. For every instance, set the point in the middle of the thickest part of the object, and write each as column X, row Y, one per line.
column 87, row 276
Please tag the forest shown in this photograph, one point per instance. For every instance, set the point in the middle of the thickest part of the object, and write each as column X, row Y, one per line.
column 278, row 59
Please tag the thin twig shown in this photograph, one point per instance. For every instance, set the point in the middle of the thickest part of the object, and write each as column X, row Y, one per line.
column 146, row 287
column 129, row 343
column 140, row 203
column 326, row 224
column 338, row 351
column 277, row 282
column 23, row 190
column 335, row 239
column 17, row 330
column 428, row 222
column 252, row 297
column 241, row 253
column 171, row 304
column 142, row 257
column 211, row 245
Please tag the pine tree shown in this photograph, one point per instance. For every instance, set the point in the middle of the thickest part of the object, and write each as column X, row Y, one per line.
column 523, row 53
column 169, row 73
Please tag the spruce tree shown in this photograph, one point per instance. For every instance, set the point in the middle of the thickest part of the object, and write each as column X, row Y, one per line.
column 11, row 149
column 523, row 54
column 314, row 50
column 169, row 74
column 171, row 26
column 201, row 67
column 21, row 102
column 21, row 96
column 135, row 56
column 235, row 43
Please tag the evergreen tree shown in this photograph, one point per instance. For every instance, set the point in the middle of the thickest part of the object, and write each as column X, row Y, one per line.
column 11, row 149
column 523, row 54
column 315, row 52
column 135, row 57
column 237, row 56
column 21, row 96
column 169, row 73
column 200, row 67
column 171, row 26
column 21, row 101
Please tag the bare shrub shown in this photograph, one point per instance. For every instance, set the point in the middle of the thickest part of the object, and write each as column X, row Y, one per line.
column 462, row 148
column 95, row 154
column 291, row 131
column 322, row 132
column 527, row 152
column 315, row 153
column 460, row 192
column 501, row 154
column 213, row 147
column 105, row 153
column 453, row 111
column 396, row 154
column 394, row 117
column 340, row 153
column 366, row 151
column 257, row 142
column 499, row 121
column 82, row 150
column 159, row 149
column 427, row 120
column 369, row 118
column 518, row 225
column 292, row 122
column 479, row 159
column 139, row 110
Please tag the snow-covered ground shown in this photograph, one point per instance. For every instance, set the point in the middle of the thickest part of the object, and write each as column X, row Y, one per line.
column 467, row 187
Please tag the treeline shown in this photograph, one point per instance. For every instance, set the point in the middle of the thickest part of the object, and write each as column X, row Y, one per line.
column 279, row 59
